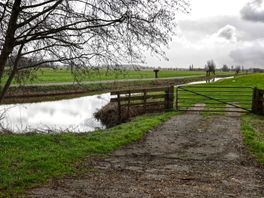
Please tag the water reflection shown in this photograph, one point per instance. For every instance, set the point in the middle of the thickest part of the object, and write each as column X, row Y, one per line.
column 75, row 115
column 207, row 81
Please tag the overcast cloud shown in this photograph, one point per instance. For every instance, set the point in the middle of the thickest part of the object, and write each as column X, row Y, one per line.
column 252, row 53
column 232, row 33
column 253, row 11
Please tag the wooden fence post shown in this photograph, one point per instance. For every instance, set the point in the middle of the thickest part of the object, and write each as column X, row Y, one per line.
column 128, row 105
column 169, row 98
column 177, row 99
column 145, row 101
column 166, row 99
column 119, row 107
column 254, row 100
column 257, row 101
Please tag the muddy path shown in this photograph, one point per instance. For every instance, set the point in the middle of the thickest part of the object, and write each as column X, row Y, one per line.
column 188, row 156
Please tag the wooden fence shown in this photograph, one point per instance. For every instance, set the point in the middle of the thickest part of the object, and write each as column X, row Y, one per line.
column 162, row 99
column 258, row 101
column 149, row 99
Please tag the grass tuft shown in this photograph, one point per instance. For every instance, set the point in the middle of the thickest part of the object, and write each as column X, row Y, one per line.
column 254, row 135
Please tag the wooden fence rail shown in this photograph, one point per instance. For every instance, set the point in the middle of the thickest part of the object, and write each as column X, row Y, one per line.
column 149, row 99
column 258, row 101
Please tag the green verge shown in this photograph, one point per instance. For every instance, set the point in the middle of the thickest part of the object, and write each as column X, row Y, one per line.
column 253, row 132
column 29, row 160
column 253, row 80
column 46, row 75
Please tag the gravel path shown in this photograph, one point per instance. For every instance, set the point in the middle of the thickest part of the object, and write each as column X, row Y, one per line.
column 188, row 156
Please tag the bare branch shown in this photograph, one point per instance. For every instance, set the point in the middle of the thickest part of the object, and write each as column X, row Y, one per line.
column 37, row 4
column 83, row 33
column 40, row 14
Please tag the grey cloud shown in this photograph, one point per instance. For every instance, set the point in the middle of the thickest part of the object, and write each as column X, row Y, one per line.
column 228, row 32
column 248, row 51
column 252, row 12
column 252, row 56
column 198, row 29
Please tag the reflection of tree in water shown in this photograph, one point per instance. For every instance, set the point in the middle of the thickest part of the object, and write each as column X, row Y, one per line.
column 93, row 123
column 5, row 127
column 73, row 115
column 210, row 80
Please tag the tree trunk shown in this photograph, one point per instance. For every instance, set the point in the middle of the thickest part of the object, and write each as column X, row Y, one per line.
column 12, row 74
column 9, row 43
column 7, row 85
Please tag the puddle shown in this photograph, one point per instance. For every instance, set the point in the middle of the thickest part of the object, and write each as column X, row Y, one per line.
column 74, row 115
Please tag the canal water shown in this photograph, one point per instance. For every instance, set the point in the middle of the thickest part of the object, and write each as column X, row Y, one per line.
column 71, row 115
column 207, row 81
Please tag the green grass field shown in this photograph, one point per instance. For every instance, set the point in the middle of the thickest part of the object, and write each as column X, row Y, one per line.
column 64, row 75
column 253, row 80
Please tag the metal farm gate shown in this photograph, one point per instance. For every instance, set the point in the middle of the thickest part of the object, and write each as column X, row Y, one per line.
column 214, row 98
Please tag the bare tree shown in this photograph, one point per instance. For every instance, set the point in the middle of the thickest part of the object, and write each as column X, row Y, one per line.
column 237, row 69
column 225, row 68
column 81, row 33
column 191, row 68
column 210, row 67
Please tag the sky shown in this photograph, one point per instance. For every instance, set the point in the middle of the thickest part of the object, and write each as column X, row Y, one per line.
column 229, row 32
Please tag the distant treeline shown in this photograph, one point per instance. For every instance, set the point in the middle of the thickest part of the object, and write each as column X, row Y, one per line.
column 138, row 67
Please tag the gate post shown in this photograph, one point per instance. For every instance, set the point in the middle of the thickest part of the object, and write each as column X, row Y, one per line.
column 169, row 98
column 177, row 98
column 119, row 108
column 257, row 101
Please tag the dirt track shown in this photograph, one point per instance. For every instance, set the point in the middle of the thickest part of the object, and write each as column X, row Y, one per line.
column 188, row 156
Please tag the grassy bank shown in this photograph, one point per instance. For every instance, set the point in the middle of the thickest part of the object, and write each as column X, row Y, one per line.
column 253, row 132
column 30, row 160
column 64, row 75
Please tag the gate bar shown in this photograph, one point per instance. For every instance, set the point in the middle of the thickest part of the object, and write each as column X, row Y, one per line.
column 213, row 99
column 237, row 87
